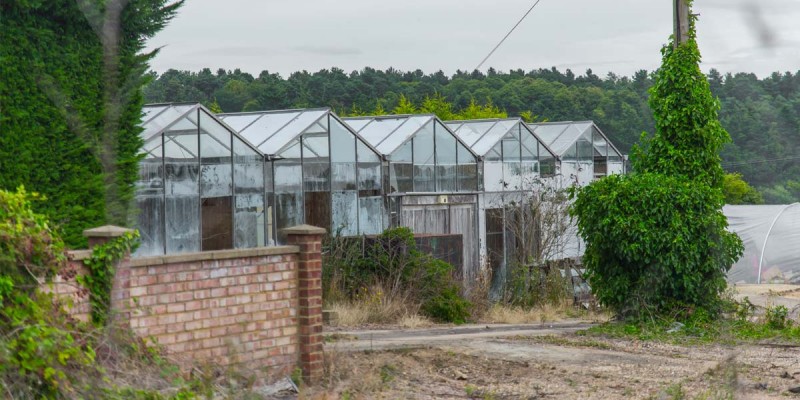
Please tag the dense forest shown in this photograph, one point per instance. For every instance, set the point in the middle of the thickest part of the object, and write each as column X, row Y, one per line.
column 761, row 115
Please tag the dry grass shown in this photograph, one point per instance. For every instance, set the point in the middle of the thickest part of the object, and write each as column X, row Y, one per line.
column 501, row 314
column 380, row 311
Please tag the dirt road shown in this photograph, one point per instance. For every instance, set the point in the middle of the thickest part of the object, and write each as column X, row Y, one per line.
column 547, row 361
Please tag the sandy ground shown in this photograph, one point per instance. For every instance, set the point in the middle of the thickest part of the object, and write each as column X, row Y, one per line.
column 548, row 362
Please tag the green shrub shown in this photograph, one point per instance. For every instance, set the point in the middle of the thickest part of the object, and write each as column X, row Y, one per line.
column 777, row 317
column 654, row 243
column 394, row 264
column 447, row 306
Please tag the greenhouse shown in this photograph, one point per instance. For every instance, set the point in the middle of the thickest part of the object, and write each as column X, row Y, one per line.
column 200, row 185
column 316, row 171
column 432, row 177
column 516, row 162
column 771, row 236
column 585, row 151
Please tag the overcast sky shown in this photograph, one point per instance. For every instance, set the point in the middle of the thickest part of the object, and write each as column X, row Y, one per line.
column 622, row 36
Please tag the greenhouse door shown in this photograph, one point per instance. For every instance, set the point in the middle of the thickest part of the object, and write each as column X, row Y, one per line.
column 217, row 223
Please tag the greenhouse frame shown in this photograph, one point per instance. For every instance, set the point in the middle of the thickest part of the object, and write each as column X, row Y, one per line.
column 212, row 182
column 317, row 171
column 585, row 151
column 516, row 162
column 197, row 189
column 433, row 177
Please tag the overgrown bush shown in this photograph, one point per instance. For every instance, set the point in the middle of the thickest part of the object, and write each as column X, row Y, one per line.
column 656, row 240
column 400, row 272
column 44, row 352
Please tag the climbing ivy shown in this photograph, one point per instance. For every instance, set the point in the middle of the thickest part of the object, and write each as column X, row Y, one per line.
column 656, row 240
column 101, row 265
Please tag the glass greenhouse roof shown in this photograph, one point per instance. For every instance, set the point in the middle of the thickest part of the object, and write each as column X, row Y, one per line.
column 160, row 116
column 561, row 136
column 482, row 135
column 273, row 131
column 387, row 133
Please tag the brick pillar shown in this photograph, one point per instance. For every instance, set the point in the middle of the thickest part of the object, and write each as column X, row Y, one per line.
column 309, row 239
column 120, row 292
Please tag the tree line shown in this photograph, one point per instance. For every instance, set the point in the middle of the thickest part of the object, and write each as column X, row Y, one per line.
column 762, row 115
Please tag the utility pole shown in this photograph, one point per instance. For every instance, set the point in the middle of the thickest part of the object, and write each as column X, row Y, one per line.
column 680, row 11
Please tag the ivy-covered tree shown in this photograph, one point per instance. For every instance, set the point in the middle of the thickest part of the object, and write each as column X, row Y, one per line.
column 71, row 104
column 656, row 240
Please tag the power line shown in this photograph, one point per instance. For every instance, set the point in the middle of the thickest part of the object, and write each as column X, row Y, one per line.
column 507, row 35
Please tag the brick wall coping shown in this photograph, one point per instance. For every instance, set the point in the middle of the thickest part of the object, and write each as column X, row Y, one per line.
column 212, row 255
column 106, row 231
column 304, row 230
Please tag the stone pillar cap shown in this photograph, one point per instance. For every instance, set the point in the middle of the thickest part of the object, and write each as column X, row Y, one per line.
column 106, row 231
column 304, row 230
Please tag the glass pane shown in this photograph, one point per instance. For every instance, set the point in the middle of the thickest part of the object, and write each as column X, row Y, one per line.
column 446, row 179
column 585, row 150
column 288, row 212
column 150, row 204
column 512, row 176
column 403, row 154
column 294, row 128
column 467, row 177
column 495, row 154
column 249, row 221
column 401, row 178
column 510, row 150
column 369, row 168
column 493, row 176
column 316, row 177
column 315, row 147
column 343, row 146
column 249, row 191
column 345, row 213
column 424, row 160
column 370, row 215
column 406, row 130
column 158, row 123
column 182, row 191
column 529, row 146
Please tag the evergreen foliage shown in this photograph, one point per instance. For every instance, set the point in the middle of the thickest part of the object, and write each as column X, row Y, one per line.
column 72, row 105
column 656, row 240
column 761, row 115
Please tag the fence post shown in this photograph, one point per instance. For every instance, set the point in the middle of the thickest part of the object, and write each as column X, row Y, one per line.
column 309, row 239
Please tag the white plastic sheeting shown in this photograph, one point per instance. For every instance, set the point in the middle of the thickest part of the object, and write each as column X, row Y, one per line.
column 771, row 236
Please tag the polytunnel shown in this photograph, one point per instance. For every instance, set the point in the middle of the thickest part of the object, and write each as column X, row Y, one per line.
column 771, row 236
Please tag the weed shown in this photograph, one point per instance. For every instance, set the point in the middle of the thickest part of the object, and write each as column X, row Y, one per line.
column 388, row 372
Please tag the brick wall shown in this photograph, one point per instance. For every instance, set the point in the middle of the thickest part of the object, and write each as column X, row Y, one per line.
column 228, row 306
column 255, row 308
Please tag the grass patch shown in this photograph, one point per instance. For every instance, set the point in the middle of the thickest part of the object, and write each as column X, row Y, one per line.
column 699, row 328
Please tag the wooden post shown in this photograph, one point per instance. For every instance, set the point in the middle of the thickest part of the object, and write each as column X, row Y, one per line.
column 680, row 11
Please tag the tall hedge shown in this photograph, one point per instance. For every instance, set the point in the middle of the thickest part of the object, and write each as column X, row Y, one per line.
column 656, row 240
column 70, row 105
